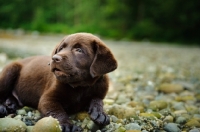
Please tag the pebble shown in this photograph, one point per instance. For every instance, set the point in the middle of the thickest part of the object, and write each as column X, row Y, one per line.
column 170, row 88
column 178, row 106
column 18, row 117
column 172, row 127
column 92, row 126
column 193, row 123
column 181, row 120
column 148, row 115
column 158, row 105
column 47, row 124
column 195, row 130
column 122, row 112
column 133, row 126
column 12, row 125
column 169, row 119
column 29, row 114
column 114, row 118
column 21, row 112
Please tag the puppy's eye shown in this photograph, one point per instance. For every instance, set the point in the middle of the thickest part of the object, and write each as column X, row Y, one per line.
column 79, row 50
column 61, row 48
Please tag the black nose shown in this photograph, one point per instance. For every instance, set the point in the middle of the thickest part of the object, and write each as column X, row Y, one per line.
column 57, row 58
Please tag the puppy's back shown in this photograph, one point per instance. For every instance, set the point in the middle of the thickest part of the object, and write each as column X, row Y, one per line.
column 35, row 76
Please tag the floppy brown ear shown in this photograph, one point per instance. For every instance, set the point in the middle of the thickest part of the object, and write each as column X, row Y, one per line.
column 103, row 62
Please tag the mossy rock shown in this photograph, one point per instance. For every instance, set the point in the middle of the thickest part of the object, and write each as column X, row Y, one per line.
column 122, row 112
column 12, row 125
column 170, row 88
column 158, row 105
column 47, row 124
column 81, row 116
column 148, row 115
column 193, row 123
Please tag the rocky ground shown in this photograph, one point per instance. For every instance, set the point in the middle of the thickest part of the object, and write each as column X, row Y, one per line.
column 156, row 87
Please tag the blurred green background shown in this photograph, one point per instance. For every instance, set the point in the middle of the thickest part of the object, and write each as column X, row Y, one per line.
column 140, row 20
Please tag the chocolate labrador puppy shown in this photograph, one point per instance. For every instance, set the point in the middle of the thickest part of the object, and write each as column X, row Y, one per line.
column 75, row 81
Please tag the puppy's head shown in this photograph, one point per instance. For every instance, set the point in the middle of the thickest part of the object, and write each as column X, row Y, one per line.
column 80, row 58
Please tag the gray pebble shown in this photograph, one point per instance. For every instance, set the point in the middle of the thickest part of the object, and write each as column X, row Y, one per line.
column 113, row 118
column 92, row 126
column 181, row 120
column 29, row 114
column 171, row 127
column 194, row 130
column 21, row 112
column 133, row 126
column 18, row 117
column 178, row 106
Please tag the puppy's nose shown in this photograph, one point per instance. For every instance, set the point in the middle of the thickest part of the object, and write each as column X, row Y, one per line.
column 57, row 58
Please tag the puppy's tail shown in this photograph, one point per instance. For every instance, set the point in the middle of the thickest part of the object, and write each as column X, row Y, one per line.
column 8, row 78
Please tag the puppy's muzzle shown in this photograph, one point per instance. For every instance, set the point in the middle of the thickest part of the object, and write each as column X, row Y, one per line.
column 57, row 58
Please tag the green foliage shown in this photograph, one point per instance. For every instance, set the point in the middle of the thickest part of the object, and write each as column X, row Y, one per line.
column 172, row 20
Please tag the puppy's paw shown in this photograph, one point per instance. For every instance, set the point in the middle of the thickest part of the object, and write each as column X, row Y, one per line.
column 71, row 128
column 99, row 117
column 3, row 111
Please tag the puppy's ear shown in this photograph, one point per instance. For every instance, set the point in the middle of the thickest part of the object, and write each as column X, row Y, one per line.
column 104, row 60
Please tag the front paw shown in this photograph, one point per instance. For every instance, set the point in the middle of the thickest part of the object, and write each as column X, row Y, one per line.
column 99, row 117
column 3, row 111
column 71, row 128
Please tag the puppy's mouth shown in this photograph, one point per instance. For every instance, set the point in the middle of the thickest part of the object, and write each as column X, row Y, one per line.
column 59, row 72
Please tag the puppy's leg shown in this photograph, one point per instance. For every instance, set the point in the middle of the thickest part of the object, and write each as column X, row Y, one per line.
column 8, row 78
column 97, row 114
column 49, row 106
column 11, row 104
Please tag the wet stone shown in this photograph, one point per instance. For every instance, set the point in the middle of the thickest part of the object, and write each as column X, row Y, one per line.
column 133, row 126
column 12, row 125
column 158, row 105
column 181, row 120
column 172, row 127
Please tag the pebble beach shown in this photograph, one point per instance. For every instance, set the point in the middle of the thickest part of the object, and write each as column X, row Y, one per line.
column 156, row 87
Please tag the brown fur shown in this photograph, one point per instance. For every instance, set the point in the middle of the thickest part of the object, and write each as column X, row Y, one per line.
column 75, row 81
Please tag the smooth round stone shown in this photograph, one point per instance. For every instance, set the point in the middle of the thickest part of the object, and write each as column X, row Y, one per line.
column 178, row 106
column 108, row 101
column 81, row 116
column 121, row 129
column 29, row 128
column 133, row 126
column 170, row 88
column 193, row 123
column 114, row 118
column 185, row 98
column 180, row 112
column 27, row 109
column 148, row 115
column 29, row 114
column 21, row 112
column 158, row 105
column 181, row 120
column 18, row 117
column 122, row 112
column 172, row 127
column 122, row 98
column 169, row 119
column 194, row 130
column 12, row 125
column 47, row 124
column 37, row 115
column 92, row 126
